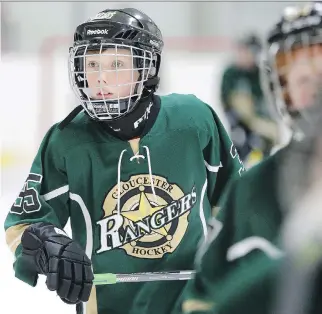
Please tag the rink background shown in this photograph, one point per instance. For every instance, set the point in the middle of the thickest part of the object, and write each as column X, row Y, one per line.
column 35, row 91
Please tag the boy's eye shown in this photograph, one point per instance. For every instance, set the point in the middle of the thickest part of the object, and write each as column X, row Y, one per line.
column 117, row 64
column 92, row 64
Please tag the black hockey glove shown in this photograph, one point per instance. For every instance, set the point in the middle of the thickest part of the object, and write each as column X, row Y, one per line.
column 48, row 250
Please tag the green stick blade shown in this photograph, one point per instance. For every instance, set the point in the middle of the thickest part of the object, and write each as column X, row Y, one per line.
column 104, row 279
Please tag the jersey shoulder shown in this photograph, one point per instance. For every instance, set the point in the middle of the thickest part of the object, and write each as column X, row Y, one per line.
column 176, row 101
column 80, row 130
column 187, row 110
column 258, row 186
column 231, row 71
column 267, row 168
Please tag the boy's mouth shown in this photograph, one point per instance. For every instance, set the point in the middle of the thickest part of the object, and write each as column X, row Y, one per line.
column 104, row 95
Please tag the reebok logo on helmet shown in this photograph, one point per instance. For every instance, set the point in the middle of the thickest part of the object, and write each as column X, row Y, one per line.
column 97, row 32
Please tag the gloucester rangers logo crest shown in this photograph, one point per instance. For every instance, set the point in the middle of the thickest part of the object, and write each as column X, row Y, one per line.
column 145, row 225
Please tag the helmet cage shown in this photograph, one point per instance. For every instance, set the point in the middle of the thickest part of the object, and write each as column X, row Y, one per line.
column 279, row 54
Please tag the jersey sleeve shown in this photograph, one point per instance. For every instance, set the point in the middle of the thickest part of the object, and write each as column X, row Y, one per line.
column 221, row 159
column 43, row 198
column 211, row 263
column 228, row 257
column 251, row 288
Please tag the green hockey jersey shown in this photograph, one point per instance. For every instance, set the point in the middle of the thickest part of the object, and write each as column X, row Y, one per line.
column 257, row 287
column 240, row 268
column 137, row 206
column 250, row 218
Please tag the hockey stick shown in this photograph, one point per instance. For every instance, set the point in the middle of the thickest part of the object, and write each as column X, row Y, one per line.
column 111, row 279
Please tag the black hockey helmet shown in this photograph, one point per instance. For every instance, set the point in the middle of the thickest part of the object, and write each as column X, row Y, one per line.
column 115, row 30
column 299, row 29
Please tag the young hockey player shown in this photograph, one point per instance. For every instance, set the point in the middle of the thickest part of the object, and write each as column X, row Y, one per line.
column 136, row 173
column 239, row 267
column 252, row 129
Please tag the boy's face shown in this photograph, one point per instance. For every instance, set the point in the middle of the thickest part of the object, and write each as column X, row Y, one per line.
column 303, row 74
column 111, row 75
